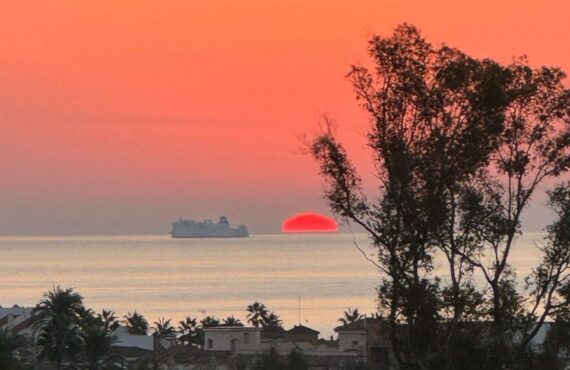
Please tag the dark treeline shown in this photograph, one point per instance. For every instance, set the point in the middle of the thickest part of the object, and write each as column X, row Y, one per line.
column 66, row 335
column 460, row 147
column 69, row 335
column 72, row 336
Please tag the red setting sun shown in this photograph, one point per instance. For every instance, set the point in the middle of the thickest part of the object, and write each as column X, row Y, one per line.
column 309, row 222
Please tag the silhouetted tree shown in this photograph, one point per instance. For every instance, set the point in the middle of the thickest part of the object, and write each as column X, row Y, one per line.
column 534, row 147
column 460, row 145
column 206, row 322
column 257, row 314
column 209, row 322
column 59, row 339
column 162, row 327
column 98, row 340
column 136, row 323
column 555, row 347
column 272, row 321
column 109, row 320
column 231, row 321
column 549, row 281
column 9, row 344
column 350, row 316
column 188, row 330
column 260, row 316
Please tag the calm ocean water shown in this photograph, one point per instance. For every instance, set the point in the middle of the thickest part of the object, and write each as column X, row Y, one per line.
column 163, row 277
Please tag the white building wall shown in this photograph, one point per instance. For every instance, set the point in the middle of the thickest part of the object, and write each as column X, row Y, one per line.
column 220, row 339
column 352, row 341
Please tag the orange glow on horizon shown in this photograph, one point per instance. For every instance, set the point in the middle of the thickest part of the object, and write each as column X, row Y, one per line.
column 309, row 222
column 118, row 116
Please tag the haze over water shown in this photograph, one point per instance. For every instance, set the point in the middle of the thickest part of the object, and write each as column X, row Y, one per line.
column 163, row 277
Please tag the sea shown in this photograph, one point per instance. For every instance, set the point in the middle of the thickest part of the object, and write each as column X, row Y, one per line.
column 308, row 279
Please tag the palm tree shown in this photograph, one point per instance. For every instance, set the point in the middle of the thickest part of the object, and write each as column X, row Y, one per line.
column 109, row 320
column 209, row 322
column 231, row 321
column 206, row 322
column 59, row 338
column 97, row 340
column 272, row 321
column 351, row 316
column 10, row 343
column 257, row 313
column 136, row 324
column 98, row 348
column 188, row 330
column 163, row 327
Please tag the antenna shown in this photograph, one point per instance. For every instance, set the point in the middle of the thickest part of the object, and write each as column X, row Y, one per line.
column 299, row 310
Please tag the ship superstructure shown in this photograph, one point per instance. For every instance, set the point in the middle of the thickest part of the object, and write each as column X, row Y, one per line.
column 207, row 229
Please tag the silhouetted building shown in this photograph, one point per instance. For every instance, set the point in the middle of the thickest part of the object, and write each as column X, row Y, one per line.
column 300, row 333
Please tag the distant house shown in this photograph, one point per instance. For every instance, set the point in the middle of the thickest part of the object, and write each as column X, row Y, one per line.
column 10, row 315
column 365, row 337
column 224, row 345
column 353, row 337
column 189, row 357
column 19, row 320
column 232, row 338
column 126, row 339
column 300, row 333
column 273, row 332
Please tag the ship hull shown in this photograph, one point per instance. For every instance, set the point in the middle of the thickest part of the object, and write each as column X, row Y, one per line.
column 207, row 229
column 207, row 237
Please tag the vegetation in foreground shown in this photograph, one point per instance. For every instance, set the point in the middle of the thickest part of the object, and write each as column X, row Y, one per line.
column 72, row 336
column 460, row 147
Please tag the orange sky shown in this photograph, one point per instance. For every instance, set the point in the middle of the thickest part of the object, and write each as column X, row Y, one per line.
column 120, row 116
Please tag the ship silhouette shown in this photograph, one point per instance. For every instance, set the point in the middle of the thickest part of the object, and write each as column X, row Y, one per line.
column 207, row 229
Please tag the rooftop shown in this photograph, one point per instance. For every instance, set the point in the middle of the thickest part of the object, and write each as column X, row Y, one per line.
column 359, row 325
column 301, row 330
column 232, row 328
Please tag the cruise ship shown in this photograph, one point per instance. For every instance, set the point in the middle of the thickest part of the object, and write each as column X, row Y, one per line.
column 207, row 229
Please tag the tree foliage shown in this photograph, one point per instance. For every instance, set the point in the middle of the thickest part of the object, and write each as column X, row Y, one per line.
column 163, row 327
column 189, row 331
column 60, row 340
column 460, row 145
column 136, row 323
column 231, row 321
column 257, row 313
column 260, row 316
column 209, row 322
column 98, row 339
column 350, row 316
column 272, row 360
column 73, row 336
column 9, row 344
